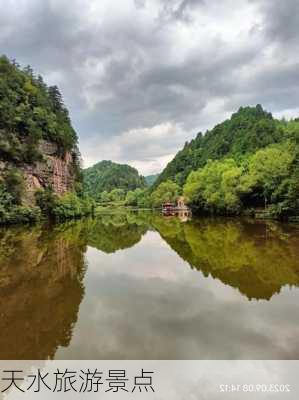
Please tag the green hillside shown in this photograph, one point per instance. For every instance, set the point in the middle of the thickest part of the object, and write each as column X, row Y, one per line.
column 30, row 111
column 36, row 136
column 248, row 163
column 248, row 130
column 107, row 176
column 151, row 179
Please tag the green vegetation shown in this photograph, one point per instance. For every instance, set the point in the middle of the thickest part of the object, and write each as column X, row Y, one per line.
column 267, row 179
column 151, row 179
column 113, row 232
column 250, row 161
column 166, row 192
column 65, row 207
column 11, row 209
column 248, row 130
column 236, row 252
column 138, row 198
column 102, row 179
column 48, row 205
column 30, row 111
column 216, row 186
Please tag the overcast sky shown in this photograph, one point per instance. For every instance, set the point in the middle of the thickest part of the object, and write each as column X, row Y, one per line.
column 141, row 77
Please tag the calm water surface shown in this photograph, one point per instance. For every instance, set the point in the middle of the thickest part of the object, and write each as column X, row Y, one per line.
column 143, row 286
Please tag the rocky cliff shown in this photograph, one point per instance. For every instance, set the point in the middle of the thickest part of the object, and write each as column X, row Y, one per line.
column 52, row 170
column 38, row 145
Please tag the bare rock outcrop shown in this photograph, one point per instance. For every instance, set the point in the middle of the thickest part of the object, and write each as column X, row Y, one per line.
column 53, row 170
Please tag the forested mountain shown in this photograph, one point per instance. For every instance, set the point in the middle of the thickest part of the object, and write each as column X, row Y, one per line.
column 151, row 179
column 39, row 157
column 249, row 129
column 30, row 111
column 249, row 163
column 106, row 176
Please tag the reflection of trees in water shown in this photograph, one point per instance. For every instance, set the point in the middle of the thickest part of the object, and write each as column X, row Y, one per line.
column 41, row 280
column 257, row 258
column 41, row 288
column 110, row 233
column 42, row 269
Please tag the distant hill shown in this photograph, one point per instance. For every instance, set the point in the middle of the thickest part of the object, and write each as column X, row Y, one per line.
column 151, row 179
column 248, row 130
column 107, row 175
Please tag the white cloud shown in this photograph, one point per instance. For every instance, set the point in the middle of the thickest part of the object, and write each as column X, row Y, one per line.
column 147, row 149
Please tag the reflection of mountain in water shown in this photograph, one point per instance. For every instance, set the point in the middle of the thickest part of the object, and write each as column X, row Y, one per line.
column 110, row 233
column 42, row 269
column 40, row 290
column 41, row 275
column 256, row 258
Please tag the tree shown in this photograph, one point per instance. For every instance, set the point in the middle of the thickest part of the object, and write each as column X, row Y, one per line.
column 138, row 197
column 131, row 198
column 105, row 197
column 14, row 183
column 248, row 130
column 29, row 111
column 56, row 99
column 117, row 195
column 268, row 169
column 166, row 192
column 215, row 187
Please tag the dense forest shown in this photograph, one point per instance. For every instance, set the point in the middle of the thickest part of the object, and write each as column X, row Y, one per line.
column 249, row 162
column 248, row 130
column 108, row 181
column 30, row 113
column 151, row 179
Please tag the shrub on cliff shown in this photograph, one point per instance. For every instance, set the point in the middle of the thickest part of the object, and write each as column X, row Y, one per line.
column 15, row 214
column 14, row 184
column 11, row 211
column 66, row 207
column 71, row 206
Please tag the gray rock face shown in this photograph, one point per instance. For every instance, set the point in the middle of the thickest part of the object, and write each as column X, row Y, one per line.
column 52, row 171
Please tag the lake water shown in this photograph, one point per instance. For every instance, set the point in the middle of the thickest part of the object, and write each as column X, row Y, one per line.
column 143, row 286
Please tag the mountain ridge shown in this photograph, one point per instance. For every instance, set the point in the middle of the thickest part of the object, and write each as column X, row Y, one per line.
column 247, row 130
column 107, row 175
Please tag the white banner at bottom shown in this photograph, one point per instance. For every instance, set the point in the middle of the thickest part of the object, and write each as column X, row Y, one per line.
column 151, row 380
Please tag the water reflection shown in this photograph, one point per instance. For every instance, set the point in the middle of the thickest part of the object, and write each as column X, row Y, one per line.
column 41, row 289
column 117, row 286
column 258, row 258
column 110, row 233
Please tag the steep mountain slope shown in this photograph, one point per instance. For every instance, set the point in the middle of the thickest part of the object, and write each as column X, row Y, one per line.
column 40, row 173
column 37, row 141
column 107, row 175
column 249, row 129
column 151, row 179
